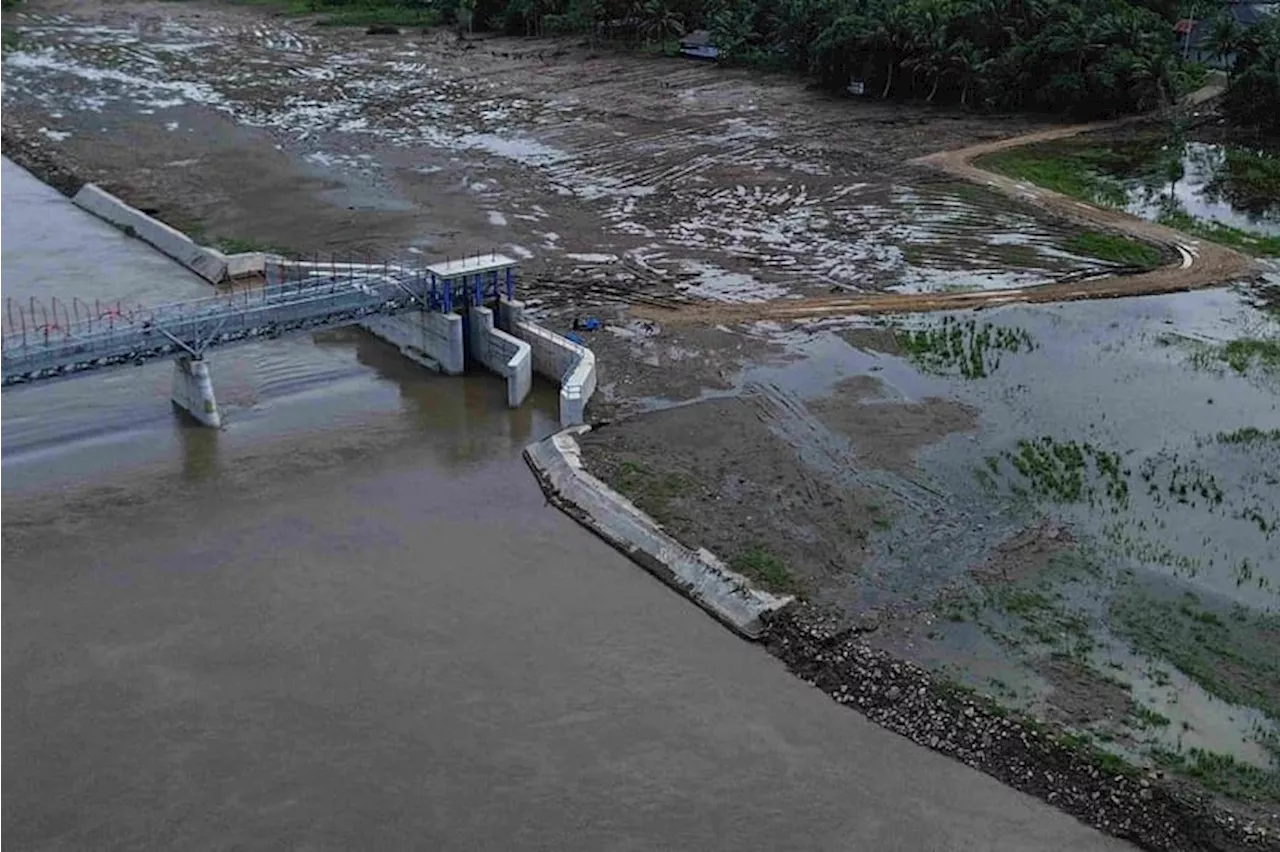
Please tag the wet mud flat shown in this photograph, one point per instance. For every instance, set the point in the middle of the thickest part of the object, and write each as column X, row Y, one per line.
column 612, row 176
column 1070, row 510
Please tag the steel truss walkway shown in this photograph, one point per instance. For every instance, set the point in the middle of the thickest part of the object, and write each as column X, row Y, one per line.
column 45, row 342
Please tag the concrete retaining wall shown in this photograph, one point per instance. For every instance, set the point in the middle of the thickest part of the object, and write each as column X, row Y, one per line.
column 557, row 358
column 209, row 264
column 431, row 339
column 696, row 574
column 248, row 263
column 501, row 353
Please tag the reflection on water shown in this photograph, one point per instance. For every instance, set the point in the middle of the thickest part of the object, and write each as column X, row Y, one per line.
column 199, row 448
column 1216, row 183
column 298, row 401
column 380, row 402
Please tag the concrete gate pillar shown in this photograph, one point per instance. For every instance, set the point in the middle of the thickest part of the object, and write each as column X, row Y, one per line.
column 193, row 391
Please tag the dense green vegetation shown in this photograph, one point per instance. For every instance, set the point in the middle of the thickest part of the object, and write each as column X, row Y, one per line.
column 1091, row 57
column 1094, row 57
column 1087, row 58
column 965, row 347
column 1253, row 92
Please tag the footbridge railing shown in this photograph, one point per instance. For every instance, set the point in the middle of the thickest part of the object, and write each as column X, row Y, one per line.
column 47, row 341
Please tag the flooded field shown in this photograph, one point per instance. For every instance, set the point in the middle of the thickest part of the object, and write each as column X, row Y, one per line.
column 1226, row 191
column 1074, row 508
column 602, row 172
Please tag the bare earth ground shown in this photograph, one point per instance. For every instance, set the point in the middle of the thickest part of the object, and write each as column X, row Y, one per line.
column 712, row 218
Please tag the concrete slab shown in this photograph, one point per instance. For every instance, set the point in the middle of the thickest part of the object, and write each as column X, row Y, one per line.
column 472, row 266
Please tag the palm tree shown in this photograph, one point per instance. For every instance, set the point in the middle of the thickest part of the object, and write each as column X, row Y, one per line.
column 660, row 21
column 966, row 63
column 1225, row 40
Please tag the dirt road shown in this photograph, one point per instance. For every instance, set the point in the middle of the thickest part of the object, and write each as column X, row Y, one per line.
column 1199, row 263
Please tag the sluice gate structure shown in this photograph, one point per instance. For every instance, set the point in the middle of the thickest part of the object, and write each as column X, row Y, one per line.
column 441, row 316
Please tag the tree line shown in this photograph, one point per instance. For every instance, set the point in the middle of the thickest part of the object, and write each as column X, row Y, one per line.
column 1253, row 76
column 1084, row 58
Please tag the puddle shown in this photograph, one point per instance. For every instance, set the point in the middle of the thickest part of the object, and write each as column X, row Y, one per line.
column 730, row 189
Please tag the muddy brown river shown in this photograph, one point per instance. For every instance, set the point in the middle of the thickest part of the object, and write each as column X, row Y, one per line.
column 349, row 620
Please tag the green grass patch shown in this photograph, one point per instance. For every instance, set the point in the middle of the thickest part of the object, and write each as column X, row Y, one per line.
column 765, row 567
column 651, row 491
column 1087, row 173
column 1070, row 471
column 1116, row 249
column 1243, row 355
column 968, row 348
column 245, row 245
column 9, row 40
column 1075, row 173
column 1223, row 773
column 1148, row 718
column 1249, row 435
column 1232, row 658
column 1226, row 235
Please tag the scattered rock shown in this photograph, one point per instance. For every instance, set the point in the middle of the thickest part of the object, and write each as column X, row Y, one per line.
column 1151, row 812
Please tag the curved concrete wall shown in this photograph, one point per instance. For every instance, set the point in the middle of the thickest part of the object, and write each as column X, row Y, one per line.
column 209, row 264
column 696, row 574
column 501, row 353
column 557, row 358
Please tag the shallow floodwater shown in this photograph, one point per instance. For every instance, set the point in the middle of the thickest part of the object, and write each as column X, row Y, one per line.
column 1209, row 182
column 1192, row 536
column 716, row 199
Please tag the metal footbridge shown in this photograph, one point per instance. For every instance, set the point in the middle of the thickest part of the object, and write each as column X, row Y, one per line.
column 43, row 342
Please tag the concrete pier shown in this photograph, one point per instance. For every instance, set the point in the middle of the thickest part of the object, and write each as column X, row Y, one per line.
column 193, row 391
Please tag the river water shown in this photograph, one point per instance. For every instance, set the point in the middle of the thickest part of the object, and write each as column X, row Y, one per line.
column 349, row 620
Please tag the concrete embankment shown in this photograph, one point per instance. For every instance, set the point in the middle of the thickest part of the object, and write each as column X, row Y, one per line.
column 696, row 574
column 209, row 264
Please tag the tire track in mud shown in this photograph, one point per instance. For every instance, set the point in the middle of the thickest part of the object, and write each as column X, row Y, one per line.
column 1199, row 263
column 821, row 449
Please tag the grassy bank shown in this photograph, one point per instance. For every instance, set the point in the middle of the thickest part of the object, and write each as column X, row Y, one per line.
column 1224, row 234
column 1114, row 248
